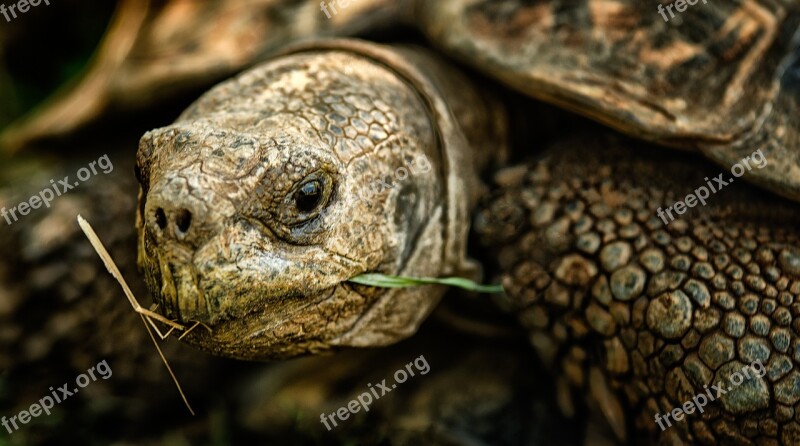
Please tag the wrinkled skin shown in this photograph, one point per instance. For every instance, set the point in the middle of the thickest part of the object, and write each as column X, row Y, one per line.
column 761, row 84
column 255, row 212
column 269, row 276
column 272, row 284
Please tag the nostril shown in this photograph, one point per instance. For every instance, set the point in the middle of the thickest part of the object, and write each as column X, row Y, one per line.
column 161, row 218
column 184, row 220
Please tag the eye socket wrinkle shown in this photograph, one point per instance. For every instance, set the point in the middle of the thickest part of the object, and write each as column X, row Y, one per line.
column 308, row 198
column 296, row 218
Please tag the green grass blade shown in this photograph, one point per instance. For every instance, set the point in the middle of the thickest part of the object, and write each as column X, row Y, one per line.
column 386, row 281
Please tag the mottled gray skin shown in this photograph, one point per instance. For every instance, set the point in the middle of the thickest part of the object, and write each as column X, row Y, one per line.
column 724, row 83
column 225, row 240
column 636, row 317
column 270, row 279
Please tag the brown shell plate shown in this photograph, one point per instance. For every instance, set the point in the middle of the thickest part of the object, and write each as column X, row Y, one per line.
column 721, row 77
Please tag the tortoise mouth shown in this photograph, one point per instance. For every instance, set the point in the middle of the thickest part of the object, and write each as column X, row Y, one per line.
column 181, row 295
column 263, row 299
column 238, row 271
column 265, row 336
column 210, row 292
column 258, row 324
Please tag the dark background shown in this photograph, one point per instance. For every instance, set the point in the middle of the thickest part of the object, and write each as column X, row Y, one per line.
column 61, row 313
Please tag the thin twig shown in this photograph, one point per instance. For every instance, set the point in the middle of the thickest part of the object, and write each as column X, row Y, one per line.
column 158, row 332
column 112, row 268
column 169, row 369
column 153, row 308
column 196, row 323
column 143, row 313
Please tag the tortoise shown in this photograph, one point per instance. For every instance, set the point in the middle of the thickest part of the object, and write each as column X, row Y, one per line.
column 272, row 190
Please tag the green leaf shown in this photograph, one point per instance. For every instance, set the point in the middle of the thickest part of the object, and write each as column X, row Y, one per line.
column 386, row 281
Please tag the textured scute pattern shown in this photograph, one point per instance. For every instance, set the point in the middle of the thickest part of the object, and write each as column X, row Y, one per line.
column 361, row 108
column 718, row 77
column 621, row 59
column 269, row 278
column 640, row 316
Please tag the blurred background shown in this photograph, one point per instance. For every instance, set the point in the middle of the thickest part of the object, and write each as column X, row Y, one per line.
column 45, row 48
column 84, row 79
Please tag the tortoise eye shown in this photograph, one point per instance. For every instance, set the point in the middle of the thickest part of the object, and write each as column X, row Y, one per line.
column 309, row 196
column 307, row 199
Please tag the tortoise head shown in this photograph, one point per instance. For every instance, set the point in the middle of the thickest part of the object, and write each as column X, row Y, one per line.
column 274, row 188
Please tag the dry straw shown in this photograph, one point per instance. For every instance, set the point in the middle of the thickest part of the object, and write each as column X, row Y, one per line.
column 145, row 314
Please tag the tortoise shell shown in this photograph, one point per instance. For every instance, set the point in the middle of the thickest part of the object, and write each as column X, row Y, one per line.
column 719, row 77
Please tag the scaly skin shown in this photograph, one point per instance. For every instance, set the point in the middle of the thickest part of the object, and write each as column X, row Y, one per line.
column 639, row 316
column 224, row 240
column 613, row 300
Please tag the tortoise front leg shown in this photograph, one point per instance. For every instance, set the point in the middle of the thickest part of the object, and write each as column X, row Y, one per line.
column 690, row 326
